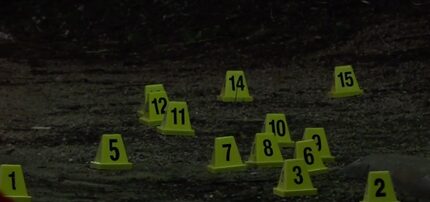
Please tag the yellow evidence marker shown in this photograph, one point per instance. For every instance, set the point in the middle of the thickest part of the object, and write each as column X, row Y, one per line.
column 320, row 138
column 226, row 156
column 277, row 124
column 176, row 120
column 345, row 84
column 379, row 187
column 307, row 150
column 294, row 180
column 265, row 151
column 149, row 89
column 111, row 154
column 12, row 183
column 154, row 109
column 235, row 88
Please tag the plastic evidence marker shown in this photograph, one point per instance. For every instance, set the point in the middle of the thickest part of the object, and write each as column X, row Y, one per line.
column 225, row 156
column 176, row 120
column 379, row 187
column 149, row 89
column 307, row 150
column 276, row 123
column 345, row 84
column 111, row 154
column 320, row 138
column 235, row 88
column 265, row 151
column 12, row 183
column 294, row 180
column 155, row 108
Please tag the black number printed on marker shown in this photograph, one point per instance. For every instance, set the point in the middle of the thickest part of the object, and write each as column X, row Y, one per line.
column 380, row 192
column 239, row 83
column 227, row 156
column 12, row 178
column 346, row 78
column 278, row 128
column 175, row 116
column 113, row 149
column 162, row 101
column 268, row 151
column 298, row 171
column 309, row 158
column 317, row 139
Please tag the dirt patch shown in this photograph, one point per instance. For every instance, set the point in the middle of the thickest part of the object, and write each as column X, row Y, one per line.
column 72, row 103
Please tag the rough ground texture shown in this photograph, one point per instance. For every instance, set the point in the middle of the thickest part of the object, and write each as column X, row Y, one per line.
column 53, row 113
column 410, row 174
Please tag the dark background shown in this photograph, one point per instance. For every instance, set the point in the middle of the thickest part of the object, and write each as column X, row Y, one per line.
column 167, row 29
column 71, row 71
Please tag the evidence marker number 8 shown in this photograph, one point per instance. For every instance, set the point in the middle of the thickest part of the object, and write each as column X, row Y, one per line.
column 268, row 151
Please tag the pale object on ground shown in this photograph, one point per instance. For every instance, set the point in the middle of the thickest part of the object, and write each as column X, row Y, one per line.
column 410, row 174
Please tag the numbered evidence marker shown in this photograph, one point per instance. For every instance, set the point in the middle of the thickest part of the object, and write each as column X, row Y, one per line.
column 345, row 84
column 307, row 150
column 12, row 183
column 277, row 124
column 265, row 151
column 319, row 136
column 294, row 180
column 111, row 154
column 235, row 88
column 379, row 187
column 155, row 102
column 225, row 156
column 154, row 109
column 149, row 89
column 176, row 120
